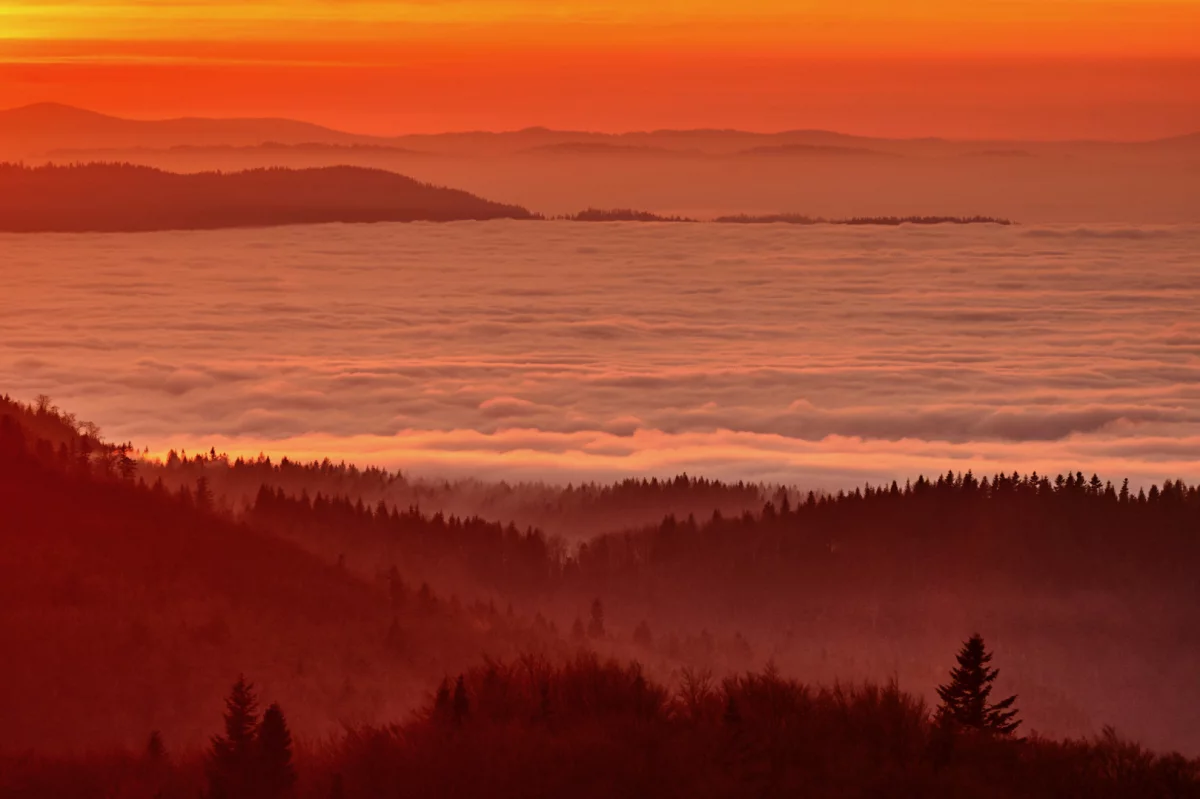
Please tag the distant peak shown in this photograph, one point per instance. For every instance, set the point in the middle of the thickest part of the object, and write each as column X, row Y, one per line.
column 54, row 110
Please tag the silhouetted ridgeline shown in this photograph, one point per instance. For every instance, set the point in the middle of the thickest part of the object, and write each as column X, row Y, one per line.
column 573, row 512
column 631, row 215
column 537, row 730
column 122, row 197
column 800, row 219
column 815, row 150
column 622, row 215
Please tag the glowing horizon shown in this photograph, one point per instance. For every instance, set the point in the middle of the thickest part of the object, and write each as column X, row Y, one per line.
column 1060, row 69
column 867, row 27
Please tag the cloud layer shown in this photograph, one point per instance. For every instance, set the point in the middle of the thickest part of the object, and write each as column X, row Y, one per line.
column 822, row 356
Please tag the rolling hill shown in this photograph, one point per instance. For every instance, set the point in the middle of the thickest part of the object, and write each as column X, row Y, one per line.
column 123, row 197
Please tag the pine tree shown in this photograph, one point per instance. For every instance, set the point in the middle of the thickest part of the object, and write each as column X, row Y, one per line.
column 276, row 775
column 595, row 627
column 462, row 706
column 156, row 751
column 642, row 636
column 965, row 699
column 733, row 716
column 395, row 637
column 231, row 762
column 441, row 703
column 204, row 495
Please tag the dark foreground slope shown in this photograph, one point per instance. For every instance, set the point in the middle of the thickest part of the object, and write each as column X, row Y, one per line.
column 123, row 197
column 598, row 730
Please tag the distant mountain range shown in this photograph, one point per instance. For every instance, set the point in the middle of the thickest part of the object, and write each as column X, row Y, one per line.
column 688, row 173
column 36, row 130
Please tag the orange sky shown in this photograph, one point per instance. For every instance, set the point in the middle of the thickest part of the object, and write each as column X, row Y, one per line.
column 1054, row 68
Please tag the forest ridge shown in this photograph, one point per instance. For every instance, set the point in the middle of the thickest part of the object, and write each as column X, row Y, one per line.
column 121, row 197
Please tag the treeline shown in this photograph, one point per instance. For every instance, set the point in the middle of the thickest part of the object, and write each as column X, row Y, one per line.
column 574, row 512
column 494, row 555
column 621, row 215
column 1067, row 531
column 530, row 728
column 801, row 219
column 1071, row 531
column 631, row 215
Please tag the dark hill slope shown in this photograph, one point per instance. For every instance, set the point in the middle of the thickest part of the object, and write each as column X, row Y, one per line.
column 123, row 197
column 126, row 608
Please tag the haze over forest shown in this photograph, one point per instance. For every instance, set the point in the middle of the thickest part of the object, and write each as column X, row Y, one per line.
column 137, row 587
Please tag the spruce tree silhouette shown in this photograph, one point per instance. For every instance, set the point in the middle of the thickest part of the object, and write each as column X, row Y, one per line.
column 733, row 715
column 276, row 775
column 965, row 699
column 595, row 627
column 204, row 495
column 395, row 637
column 441, row 703
column 642, row 636
column 462, row 706
column 156, row 751
column 231, row 761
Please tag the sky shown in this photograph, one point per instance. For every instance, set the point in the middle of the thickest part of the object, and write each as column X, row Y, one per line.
column 986, row 68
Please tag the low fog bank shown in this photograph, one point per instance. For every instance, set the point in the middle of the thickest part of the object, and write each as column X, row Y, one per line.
column 817, row 356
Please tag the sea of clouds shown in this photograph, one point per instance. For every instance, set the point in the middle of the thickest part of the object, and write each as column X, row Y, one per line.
column 822, row 356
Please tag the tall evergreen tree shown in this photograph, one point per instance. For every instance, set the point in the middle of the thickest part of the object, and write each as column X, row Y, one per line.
column 276, row 775
column 595, row 627
column 156, row 751
column 462, row 705
column 231, row 761
column 966, row 698
column 441, row 703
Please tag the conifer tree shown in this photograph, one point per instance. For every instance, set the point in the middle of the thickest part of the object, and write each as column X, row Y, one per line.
column 204, row 496
column 595, row 627
column 156, row 751
column 395, row 637
column 231, row 761
column 462, row 705
column 966, row 698
column 733, row 716
column 276, row 775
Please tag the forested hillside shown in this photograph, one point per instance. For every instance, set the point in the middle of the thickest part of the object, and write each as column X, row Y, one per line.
column 125, row 607
column 351, row 611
